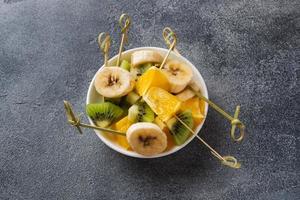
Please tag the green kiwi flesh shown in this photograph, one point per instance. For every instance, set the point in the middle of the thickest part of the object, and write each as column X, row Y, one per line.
column 113, row 100
column 132, row 98
column 140, row 112
column 139, row 70
column 179, row 132
column 125, row 65
column 103, row 114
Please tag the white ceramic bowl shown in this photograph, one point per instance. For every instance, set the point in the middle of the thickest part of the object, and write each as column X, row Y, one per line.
column 93, row 96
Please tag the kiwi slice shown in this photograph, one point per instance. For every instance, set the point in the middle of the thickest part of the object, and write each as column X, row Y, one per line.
column 139, row 70
column 179, row 132
column 132, row 98
column 113, row 100
column 103, row 114
column 125, row 65
column 140, row 112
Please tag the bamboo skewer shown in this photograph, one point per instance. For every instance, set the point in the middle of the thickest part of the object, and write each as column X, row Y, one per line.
column 75, row 121
column 124, row 23
column 104, row 45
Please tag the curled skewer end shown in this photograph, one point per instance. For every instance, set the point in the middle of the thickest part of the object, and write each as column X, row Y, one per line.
column 171, row 40
column 72, row 119
column 231, row 161
column 104, row 45
column 237, row 123
column 169, row 36
column 124, row 22
column 104, row 41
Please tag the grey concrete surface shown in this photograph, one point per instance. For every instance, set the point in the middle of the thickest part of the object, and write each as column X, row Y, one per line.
column 247, row 51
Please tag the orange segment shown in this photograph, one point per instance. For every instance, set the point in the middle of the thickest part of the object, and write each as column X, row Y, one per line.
column 202, row 104
column 165, row 129
column 122, row 126
column 110, row 136
column 161, row 124
column 193, row 104
column 122, row 141
column 153, row 77
column 164, row 104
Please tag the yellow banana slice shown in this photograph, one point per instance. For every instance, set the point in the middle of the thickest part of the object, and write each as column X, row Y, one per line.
column 146, row 138
column 113, row 82
column 178, row 74
column 145, row 56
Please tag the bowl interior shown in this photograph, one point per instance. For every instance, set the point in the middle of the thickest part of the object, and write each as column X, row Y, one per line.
column 93, row 97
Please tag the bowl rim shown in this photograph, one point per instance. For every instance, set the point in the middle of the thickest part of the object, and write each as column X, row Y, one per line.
column 115, row 147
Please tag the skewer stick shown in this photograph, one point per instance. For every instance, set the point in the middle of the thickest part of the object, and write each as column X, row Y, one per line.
column 229, row 161
column 75, row 121
column 104, row 45
column 124, row 23
column 235, row 122
column 172, row 41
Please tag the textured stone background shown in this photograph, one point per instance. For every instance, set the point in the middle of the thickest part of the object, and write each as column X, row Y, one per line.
column 247, row 52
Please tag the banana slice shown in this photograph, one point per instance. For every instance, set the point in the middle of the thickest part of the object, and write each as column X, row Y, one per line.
column 146, row 138
column 194, row 86
column 145, row 56
column 113, row 82
column 178, row 74
column 185, row 95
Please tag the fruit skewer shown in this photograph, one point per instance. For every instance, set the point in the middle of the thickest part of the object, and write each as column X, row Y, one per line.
column 229, row 161
column 75, row 121
column 170, row 39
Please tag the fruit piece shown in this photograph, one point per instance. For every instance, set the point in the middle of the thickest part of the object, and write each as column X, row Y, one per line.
column 179, row 132
column 122, row 126
column 146, row 138
column 137, row 71
column 103, row 114
column 152, row 78
column 193, row 105
column 140, row 112
column 194, row 86
column 178, row 74
column 185, row 95
column 113, row 100
column 113, row 82
column 164, row 104
column 161, row 124
column 202, row 104
column 165, row 129
column 132, row 98
column 145, row 56
column 109, row 136
column 125, row 65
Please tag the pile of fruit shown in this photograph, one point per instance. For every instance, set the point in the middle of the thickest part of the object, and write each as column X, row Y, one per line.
column 154, row 106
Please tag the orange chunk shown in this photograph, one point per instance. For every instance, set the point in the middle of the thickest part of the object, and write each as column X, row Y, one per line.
column 122, row 126
column 202, row 105
column 164, row 104
column 110, row 136
column 165, row 129
column 153, row 77
column 161, row 124
column 193, row 104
